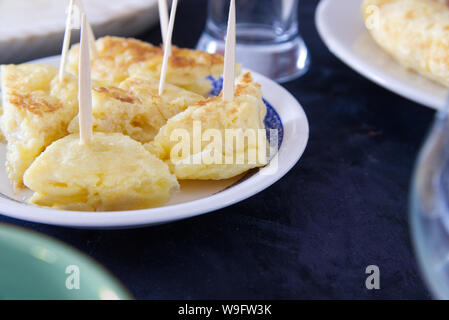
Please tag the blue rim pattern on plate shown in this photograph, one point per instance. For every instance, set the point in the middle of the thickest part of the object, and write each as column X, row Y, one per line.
column 272, row 119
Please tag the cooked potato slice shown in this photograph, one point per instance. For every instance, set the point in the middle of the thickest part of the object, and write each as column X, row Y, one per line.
column 414, row 32
column 245, row 112
column 37, row 109
column 111, row 173
column 134, row 108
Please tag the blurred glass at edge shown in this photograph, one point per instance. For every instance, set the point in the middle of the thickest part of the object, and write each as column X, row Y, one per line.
column 429, row 215
column 268, row 39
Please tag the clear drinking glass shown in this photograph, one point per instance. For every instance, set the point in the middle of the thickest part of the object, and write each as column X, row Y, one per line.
column 429, row 215
column 268, row 39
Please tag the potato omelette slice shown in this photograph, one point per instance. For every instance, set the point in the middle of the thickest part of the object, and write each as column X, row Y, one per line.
column 112, row 173
column 187, row 68
column 37, row 109
column 118, row 58
column 414, row 32
column 245, row 112
column 134, row 108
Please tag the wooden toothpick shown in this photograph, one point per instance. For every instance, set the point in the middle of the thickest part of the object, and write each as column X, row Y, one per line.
column 85, row 85
column 66, row 43
column 163, row 18
column 93, row 47
column 229, row 59
column 68, row 33
column 167, row 47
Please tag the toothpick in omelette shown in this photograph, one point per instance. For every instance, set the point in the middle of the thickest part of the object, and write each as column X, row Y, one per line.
column 208, row 129
column 246, row 111
column 119, row 58
column 134, row 107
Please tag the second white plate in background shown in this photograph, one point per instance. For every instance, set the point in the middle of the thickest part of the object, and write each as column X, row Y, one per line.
column 30, row 29
column 341, row 26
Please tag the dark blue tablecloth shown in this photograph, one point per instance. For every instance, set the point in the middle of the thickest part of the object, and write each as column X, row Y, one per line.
column 343, row 207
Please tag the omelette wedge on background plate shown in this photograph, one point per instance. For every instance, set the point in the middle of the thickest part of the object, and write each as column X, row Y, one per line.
column 414, row 32
column 378, row 38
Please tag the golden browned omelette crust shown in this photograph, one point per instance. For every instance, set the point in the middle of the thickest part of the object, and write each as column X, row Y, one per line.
column 37, row 108
column 34, row 104
column 182, row 58
column 114, row 57
column 109, row 48
column 119, row 58
column 135, row 108
column 31, row 102
column 118, row 94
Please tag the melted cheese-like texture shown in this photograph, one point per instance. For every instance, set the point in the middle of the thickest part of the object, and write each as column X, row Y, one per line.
column 246, row 111
column 134, row 108
column 120, row 58
column 414, row 32
column 111, row 173
column 37, row 108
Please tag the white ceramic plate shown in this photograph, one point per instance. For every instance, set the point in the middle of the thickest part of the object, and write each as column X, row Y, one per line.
column 340, row 24
column 195, row 197
column 30, row 29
